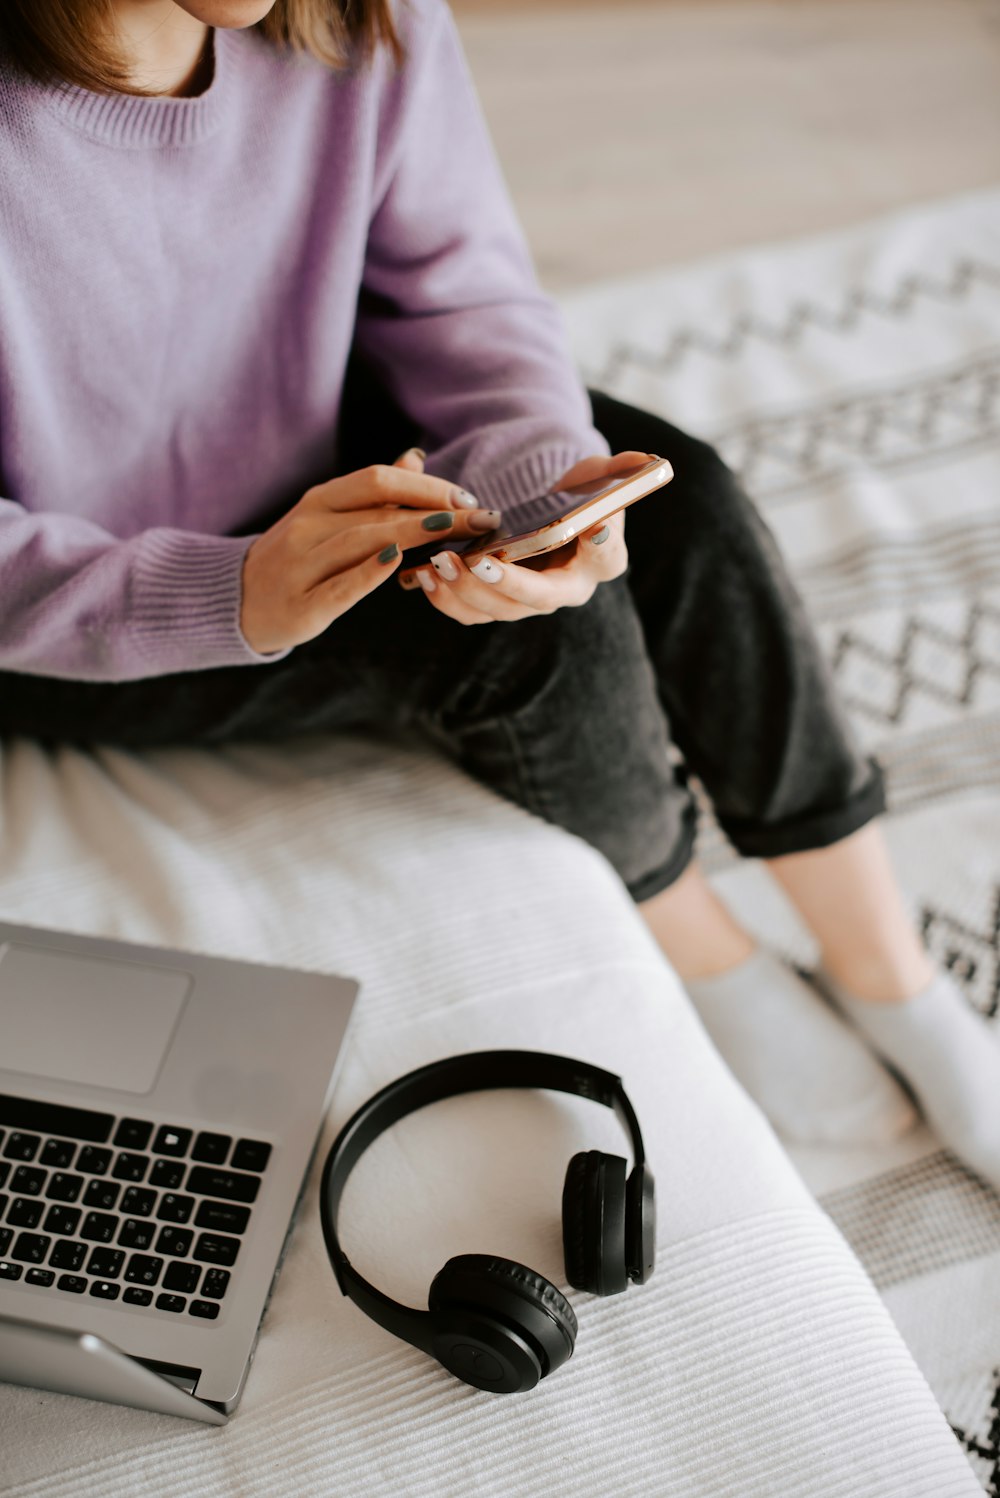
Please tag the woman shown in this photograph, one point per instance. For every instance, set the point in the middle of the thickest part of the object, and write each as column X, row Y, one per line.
column 237, row 277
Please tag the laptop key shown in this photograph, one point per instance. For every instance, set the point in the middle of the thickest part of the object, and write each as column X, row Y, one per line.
column 211, row 1149
column 223, row 1183
column 43, row 1277
column 170, row 1303
column 212, row 1249
column 67, row 1255
column 105, row 1289
column 167, row 1173
column 58, row 1153
column 136, row 1297
column 25, row 1212
column 215, row 1283
column 130, row 1167
column 209, row 1309
column 171, row 1141
column 251, row 1154
column 53, row 1118
column 22, row 1146
column 4, row 1172
column 102, row 1194
column 62, row 1219
column 93, row 1160
column 9, row 1271
column 144, row 1269
column 182, row 1277
column 71, row 1282
column 106, row 1263
column 138, row 1202
column 63, row 1188
column 28, row 1180
column 6, row 1234
column 135, row 1234
column 31, row 1248
column 174, row 1241
column 3, row 1202
column 133, row 1134
column 99, row 1227
column 174, row 1208
column 222, row 1217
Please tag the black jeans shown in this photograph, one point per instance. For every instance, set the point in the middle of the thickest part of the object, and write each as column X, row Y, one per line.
column 704, row 643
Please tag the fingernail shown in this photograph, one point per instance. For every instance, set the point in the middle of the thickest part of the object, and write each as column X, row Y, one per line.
column 488, row 570
column 444, row 564
column 427, row 582
column 388, row 554
column 599, row 537
column 484, row 520
column 467, row 500
column 417, row 452
column 443, row 521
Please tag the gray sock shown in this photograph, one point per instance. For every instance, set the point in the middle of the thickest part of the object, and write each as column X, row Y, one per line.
column 949, row 1055
column 809, row 1072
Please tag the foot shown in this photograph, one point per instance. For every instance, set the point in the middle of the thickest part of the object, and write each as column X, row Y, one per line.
column 950, row 1057
column 809, row 1072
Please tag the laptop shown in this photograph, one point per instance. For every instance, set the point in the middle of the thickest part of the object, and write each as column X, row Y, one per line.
column 159, row 1112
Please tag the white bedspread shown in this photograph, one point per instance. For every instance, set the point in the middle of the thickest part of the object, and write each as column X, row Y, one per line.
column 759, row 1362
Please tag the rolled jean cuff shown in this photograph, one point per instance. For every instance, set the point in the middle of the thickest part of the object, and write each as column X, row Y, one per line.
column 816, row 829
column 672, row 868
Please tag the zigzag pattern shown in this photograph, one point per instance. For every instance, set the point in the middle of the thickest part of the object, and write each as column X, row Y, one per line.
column 971, row 956
column 939, row 413
column 903, row 667
column 986, row 1446
column 803, row 316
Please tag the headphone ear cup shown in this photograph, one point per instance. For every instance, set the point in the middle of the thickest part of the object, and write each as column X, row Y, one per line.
column 593, row 1212
column 497, row 1324
column 640, row 1224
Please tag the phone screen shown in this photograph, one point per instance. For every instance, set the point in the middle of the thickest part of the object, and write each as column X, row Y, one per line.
column 531, row 514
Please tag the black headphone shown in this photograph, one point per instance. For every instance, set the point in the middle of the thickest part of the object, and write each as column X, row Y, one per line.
column 492, row 1322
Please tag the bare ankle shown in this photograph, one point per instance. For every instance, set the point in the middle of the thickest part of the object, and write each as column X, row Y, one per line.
column 695, row 929
column 881, row 977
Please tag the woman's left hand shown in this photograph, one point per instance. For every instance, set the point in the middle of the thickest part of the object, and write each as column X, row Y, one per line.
column 490, row 590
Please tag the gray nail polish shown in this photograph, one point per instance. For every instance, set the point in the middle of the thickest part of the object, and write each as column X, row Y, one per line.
column 440, row 522
column 601, row 536
column 388, row 553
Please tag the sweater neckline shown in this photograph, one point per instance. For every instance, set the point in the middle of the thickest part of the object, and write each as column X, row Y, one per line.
column 137, row 121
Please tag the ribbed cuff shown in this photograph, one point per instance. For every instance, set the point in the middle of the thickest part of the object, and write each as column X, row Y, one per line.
column 185, row 606
column 500, row 488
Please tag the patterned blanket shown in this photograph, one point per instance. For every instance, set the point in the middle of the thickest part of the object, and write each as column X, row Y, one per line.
column 854, row 381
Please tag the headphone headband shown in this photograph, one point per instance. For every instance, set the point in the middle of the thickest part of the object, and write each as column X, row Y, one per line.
column 475, row 1071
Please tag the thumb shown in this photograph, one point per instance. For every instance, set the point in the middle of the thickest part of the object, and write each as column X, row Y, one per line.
column 412, row 459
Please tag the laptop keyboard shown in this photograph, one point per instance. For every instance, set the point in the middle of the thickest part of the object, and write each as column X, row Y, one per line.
column 123, row 1209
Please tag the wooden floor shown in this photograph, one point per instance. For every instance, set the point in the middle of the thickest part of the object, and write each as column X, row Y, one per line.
column 637, row 133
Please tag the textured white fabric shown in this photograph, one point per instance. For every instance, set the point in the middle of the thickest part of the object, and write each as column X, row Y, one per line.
column 854, row 382
column 757, row 1361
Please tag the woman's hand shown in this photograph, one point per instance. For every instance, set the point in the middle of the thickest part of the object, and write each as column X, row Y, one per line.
column 491, row 590
column 340, row 542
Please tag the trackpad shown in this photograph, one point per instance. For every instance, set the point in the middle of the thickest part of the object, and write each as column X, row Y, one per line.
column 85, row 1019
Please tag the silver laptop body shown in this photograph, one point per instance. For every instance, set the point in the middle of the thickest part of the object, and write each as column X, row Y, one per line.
column 158, row 1115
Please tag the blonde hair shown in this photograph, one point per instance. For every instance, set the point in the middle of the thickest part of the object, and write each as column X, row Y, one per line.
column 71, row 40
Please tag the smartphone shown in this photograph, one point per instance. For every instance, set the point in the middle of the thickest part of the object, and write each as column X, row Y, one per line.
column 553, row 519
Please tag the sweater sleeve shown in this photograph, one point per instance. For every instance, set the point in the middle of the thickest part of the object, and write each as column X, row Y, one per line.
column 451, row 315
column 77, row 603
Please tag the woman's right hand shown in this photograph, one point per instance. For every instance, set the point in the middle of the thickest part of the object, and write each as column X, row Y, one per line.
column 340, row 542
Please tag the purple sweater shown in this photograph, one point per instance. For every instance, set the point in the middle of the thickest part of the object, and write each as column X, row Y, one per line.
column 179, row 291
